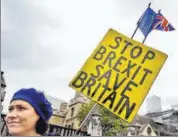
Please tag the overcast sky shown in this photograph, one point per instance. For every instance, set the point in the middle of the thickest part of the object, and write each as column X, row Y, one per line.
column 45, row 42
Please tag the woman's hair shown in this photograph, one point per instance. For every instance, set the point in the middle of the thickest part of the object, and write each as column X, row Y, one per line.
column 41, row 126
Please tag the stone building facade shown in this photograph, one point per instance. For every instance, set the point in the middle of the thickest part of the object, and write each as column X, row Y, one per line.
column 73, row 110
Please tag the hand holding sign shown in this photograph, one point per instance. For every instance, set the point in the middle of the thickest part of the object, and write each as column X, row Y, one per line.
column 119, row 74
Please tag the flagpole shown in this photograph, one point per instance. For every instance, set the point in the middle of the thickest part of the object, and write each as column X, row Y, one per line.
column 159, row 11
column 139, row 24
column 148, row 33
column 144, row 39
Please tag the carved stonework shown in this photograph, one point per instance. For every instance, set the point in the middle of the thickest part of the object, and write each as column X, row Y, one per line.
column 3, row 86
column 95, row 128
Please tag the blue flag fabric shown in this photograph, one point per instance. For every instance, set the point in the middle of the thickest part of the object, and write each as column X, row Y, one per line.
column 146, row 21
column 161, row 23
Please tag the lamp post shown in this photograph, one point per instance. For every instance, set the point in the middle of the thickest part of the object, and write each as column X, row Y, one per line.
column 3, row 86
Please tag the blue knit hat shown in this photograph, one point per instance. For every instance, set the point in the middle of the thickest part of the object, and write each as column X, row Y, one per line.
column 37, row 100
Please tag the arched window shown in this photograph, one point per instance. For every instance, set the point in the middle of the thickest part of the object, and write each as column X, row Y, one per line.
column 72, row 112
column 149, row 130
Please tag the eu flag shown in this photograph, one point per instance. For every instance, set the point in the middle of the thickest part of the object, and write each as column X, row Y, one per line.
column 161, row 23
column 146, row 21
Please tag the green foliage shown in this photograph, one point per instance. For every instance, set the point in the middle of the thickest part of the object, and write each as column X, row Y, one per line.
column 84, row 110
column 111, row 124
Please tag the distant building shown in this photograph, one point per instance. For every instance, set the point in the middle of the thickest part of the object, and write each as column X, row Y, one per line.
column 169, row 117
column 63, row 107
column 71, row 120
column 3, row 86
column 174, row 119
column 56, row 102
column 162, row 117
column 57, row 118
column 59, row 115
column 59, row 110
column 142, row 130
column 175, row 107
column 143, row 126
column 3, row 93
column 153, row 104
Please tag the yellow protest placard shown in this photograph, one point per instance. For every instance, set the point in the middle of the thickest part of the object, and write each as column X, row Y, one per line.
column 119, row 74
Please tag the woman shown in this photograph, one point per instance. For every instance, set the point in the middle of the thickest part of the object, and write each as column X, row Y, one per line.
column 29, row 112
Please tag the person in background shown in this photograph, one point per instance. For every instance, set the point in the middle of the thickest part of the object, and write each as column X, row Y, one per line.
column 29, row 112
